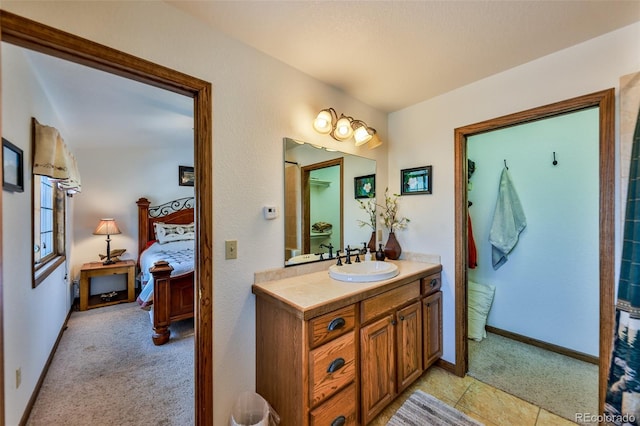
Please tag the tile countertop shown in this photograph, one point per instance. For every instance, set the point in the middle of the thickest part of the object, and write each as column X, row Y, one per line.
column 316, row 293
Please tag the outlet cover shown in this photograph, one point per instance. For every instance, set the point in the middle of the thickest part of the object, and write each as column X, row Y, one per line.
column 231, row 249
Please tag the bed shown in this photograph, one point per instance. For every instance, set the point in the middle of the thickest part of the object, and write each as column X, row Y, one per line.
column 166, row 238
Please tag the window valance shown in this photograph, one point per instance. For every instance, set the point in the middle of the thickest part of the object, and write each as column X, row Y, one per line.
column 52, row 158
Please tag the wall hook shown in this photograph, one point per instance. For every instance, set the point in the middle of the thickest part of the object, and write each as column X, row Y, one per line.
column 505, row 165
column 555, row 162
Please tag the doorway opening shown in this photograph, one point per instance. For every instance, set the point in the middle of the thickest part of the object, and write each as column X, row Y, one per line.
column 604, row 100
column 322, row 195
column 35, row 36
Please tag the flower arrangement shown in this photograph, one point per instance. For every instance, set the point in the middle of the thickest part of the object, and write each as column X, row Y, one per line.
column 389, row 214
column 368, row 206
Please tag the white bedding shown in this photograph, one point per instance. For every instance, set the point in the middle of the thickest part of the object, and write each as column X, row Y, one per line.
column 179, row 254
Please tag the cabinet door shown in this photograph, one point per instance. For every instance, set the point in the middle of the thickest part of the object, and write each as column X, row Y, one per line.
column 432, row 317
column 377, row 346
column 409, row 329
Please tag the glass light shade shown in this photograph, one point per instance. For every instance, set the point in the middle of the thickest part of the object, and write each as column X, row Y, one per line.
column 375, row 141
column 343, row 129
column 322, row 123
column 107, row 227
column 361, row 135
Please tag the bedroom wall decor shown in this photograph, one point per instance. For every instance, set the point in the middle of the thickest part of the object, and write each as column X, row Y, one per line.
column 12, row 167
column 417, row 180
column 186, row 176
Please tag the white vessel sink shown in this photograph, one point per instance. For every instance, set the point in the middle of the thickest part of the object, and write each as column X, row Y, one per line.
column 364, row 271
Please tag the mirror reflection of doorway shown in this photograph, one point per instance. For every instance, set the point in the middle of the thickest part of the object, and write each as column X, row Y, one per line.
column 322, row 195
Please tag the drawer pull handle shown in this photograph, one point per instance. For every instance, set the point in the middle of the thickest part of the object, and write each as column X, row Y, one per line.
column 335, row 365
column 433, row 282
column 336, row 324
column 339, row 421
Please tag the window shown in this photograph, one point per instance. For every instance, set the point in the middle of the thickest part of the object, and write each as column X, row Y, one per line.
column 48, row 227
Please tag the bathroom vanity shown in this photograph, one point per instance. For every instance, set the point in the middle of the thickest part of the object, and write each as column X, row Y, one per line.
column 331, row 352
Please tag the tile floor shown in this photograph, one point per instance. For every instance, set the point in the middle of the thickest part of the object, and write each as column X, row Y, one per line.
column 482, row 402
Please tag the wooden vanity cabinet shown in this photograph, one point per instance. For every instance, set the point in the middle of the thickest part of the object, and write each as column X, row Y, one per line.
column 432, row 319
column 390, row 345
column 307, row 369
column 343, row 364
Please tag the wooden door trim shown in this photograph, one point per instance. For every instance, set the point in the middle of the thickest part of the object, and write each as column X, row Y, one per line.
column 605, row 100
column 33, row 35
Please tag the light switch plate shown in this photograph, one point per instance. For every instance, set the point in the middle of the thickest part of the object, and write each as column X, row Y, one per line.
column 231, row 249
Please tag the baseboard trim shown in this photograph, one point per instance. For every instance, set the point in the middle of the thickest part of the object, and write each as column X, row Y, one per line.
column 43, row 374
column 448, row 366
column 544, row 345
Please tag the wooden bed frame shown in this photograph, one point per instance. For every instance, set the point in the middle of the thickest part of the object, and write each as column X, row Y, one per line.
column 173, row 297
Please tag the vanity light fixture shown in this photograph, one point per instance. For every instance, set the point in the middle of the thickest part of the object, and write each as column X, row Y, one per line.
column 342, row 128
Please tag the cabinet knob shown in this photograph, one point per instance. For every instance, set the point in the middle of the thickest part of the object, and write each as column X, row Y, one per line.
column 339, row 421
column 336, row 324
column 401, row 317
column 433, row 282
column 335, row 365
column 394, row 322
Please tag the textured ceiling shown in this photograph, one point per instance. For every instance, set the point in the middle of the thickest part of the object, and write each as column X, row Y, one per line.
column 393, row 54
column 388, row 54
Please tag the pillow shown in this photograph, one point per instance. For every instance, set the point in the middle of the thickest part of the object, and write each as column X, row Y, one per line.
column 168, row 232
column 479, row 299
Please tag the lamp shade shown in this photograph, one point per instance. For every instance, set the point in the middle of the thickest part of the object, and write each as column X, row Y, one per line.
column 323, row 122
column 374, row 142
column 107, row 226
column 361, row 134
column 343, row 129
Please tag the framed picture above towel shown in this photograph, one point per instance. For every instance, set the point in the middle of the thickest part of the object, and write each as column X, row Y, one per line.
column 418, row 180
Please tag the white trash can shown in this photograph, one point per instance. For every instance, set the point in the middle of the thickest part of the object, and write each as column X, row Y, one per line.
column 251, row 409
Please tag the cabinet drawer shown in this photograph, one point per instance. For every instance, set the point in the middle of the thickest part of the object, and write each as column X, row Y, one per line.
column 389, row 300
column 339, row 410
column 431, row 284
column 331, row 325
column 331, row 367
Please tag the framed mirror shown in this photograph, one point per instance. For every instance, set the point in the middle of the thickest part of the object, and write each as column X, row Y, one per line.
column 321, row 211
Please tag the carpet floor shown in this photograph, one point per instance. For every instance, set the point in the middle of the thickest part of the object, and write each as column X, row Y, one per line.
column 559, row 384
column 107, row 371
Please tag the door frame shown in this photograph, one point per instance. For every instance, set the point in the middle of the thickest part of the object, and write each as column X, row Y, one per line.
column 305, row 172
column 35, row 36
column 605, row 101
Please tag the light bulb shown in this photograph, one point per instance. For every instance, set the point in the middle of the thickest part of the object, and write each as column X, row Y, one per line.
column 343, row 129
column 322, row 123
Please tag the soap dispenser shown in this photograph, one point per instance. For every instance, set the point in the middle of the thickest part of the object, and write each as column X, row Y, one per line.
column 367, row 256
column 380, row 253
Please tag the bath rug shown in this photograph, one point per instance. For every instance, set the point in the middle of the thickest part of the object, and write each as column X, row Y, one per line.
column 423, row 409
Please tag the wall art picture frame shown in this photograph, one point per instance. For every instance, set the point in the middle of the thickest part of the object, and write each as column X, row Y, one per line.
column 364, row 186
column 12, row 167
column 186, row 176
column 418, row 180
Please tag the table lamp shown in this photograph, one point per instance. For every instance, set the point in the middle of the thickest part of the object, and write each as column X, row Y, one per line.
column 107, row 227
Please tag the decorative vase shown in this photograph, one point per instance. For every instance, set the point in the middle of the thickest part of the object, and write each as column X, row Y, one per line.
column 372, row 242
column 392, row 249
column 380, row 254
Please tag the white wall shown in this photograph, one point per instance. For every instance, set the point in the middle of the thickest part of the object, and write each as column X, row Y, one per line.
column 32, row 317
column 540, row 291
column 256, row 102
column 425, row 132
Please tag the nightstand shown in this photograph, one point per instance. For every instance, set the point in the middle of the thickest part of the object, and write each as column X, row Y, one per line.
column 98, row 269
